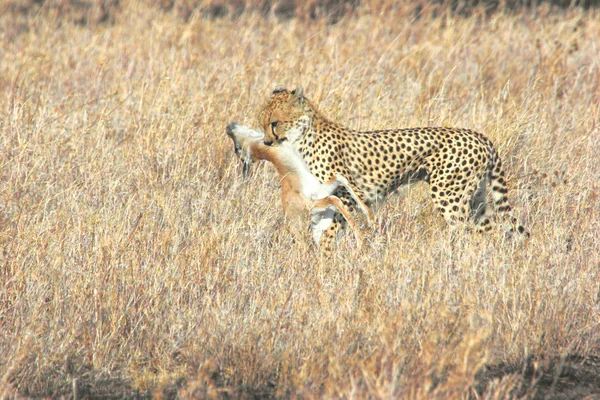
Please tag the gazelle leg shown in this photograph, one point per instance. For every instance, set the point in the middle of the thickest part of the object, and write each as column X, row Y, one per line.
column 331, row 185
column 325, row 189
column 336, row 202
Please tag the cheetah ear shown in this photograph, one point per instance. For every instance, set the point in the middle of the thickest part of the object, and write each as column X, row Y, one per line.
column 278, row 89
column 297, row 94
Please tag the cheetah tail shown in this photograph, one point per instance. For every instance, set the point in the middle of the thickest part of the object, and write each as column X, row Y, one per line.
column 499, row 192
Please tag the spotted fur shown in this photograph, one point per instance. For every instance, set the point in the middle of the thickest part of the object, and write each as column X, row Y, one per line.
column 301, row 191
column 460, row 165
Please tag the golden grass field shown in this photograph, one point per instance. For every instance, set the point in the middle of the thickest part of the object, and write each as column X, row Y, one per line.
column 135, row 261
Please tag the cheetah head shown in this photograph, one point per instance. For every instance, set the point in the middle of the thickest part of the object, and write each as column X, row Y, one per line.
column 285, row 116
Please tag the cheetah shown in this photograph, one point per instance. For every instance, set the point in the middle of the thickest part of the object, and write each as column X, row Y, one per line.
column 458, row 164
column 301, row 191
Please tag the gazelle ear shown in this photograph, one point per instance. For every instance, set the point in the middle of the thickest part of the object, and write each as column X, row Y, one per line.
column 246, row 170
column 297, row 94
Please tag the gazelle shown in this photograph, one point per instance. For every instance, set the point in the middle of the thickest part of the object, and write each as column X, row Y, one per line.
column 301, row 191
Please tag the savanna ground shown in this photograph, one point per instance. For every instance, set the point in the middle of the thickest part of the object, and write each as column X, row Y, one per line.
column 135, row 261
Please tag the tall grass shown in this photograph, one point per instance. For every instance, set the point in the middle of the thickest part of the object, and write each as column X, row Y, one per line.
column 135, row 260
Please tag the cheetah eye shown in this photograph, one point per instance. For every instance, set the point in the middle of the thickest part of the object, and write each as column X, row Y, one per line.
column 274, row 125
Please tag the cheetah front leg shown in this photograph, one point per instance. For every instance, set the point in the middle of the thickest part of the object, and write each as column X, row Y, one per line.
column 330, row 186
column 333, row 202
column 329, row 236
column 361, row 205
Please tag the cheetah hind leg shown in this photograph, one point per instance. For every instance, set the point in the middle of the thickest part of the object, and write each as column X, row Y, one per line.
column 453, row 204
column 480, row 212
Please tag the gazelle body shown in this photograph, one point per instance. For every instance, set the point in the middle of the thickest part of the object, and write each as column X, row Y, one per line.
column 301, row 191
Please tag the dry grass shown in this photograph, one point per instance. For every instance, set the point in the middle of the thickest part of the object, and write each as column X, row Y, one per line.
column 134, row 259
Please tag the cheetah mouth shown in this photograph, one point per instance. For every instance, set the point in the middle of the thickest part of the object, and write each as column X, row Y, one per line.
column 272, row 142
